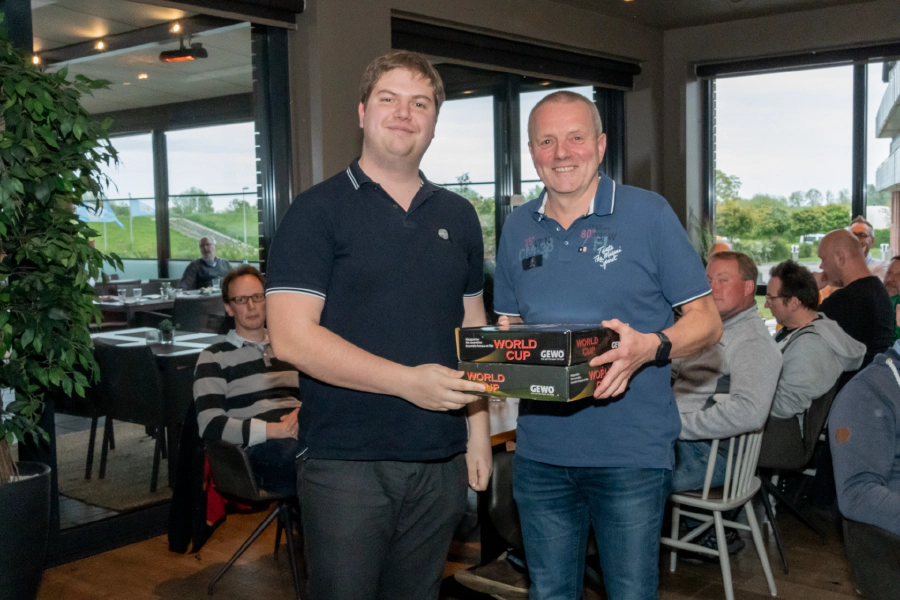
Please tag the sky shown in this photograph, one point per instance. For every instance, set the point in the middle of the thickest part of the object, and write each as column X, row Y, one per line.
column 784, row 132
column 778, row 133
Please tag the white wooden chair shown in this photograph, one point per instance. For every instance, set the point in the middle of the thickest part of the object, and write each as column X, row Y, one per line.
column 741, row 484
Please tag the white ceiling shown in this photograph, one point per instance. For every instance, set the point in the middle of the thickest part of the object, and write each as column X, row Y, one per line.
column 227, row 70
column 672, row 14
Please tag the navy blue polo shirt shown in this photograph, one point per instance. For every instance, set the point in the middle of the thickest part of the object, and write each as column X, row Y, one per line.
column 629, row 258
column 393, row 283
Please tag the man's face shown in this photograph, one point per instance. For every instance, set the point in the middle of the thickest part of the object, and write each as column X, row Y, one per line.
column 864, row 235
column 829, row 265
column 775, row 303
column 565, row 148
column 892, row 278
column 208, row 249
column 399, row 117
column 252, row 315
column 730, row 292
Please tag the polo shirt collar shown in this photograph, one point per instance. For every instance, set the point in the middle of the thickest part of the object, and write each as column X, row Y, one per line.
column 603, row 204
column 358, row 178
column 239, row 342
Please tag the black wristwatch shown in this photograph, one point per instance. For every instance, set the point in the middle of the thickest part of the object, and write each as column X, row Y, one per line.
column 665, row 347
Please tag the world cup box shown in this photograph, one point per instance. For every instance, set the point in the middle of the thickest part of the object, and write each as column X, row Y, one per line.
column 534, row 344
column 535, row 382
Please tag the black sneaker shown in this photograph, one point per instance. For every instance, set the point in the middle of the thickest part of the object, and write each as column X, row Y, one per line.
column 733, row 541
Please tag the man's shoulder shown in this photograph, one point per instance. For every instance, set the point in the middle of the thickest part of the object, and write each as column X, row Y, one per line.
column 337, row 187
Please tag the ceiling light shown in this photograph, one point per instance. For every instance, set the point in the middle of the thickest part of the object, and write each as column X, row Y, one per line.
column 35, row 60
column 99, row 45
column 184, row 53
column 467, row 92
column 126, row 83
column 545, row 83
column 176, row 27
column 142, row 76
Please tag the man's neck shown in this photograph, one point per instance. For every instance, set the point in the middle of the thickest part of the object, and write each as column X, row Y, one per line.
column 400, row 179
column 565, row 208
column 801, row 318
column 251, row 335
column 853, row 272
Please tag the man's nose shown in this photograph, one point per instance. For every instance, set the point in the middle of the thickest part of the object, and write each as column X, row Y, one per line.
column 402, row 110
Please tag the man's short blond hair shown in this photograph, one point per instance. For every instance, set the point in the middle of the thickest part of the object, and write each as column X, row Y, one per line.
column 566, row 97
column 402, row 59
column 746, row 267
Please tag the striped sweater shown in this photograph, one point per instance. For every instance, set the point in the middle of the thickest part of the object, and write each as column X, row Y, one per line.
column 239, row 386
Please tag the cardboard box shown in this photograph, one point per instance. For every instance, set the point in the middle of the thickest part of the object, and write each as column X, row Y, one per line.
column 534, row 344
column 535, row 382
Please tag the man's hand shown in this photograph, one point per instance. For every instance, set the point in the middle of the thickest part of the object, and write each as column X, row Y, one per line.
column 504, row 322
column 820, row 279
column 435, row 387
column 635, row 349
column 287, row 427
column 479, row 461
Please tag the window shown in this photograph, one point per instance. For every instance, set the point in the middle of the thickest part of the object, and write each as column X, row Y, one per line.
column 881, row 176
column 212, row 191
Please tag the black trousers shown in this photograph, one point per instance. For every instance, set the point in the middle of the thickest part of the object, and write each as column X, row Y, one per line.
column 379, row 530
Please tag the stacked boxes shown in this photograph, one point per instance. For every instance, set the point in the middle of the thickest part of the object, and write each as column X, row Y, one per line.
column 538, row 362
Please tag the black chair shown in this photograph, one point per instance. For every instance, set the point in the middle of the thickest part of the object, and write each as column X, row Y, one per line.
column 875, row 558
column 131, row 391
column 233, row 477
column 192, row 314
column 788, row 447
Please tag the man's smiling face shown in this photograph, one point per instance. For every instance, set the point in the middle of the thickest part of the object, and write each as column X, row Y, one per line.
column 565, row 148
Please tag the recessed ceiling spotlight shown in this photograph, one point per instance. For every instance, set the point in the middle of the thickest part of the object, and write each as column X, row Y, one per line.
column 100, row 45
column 176, row 27
column 126, row 83
column 467, row 92
column 142, row 76
column 545, row 83
column 35, row 60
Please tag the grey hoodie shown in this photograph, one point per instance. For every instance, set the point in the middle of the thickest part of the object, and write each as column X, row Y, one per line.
column 814, row 357
column 727, row 389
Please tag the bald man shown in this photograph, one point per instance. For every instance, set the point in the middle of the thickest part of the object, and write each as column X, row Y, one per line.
column 862, row 306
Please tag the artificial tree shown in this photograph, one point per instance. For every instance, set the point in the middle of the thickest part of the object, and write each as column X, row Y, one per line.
column 51, row 155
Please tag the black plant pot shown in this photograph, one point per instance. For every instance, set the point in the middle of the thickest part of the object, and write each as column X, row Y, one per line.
column 25, row 522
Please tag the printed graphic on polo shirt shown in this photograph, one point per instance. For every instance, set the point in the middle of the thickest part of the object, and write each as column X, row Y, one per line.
column 535, row 247
column 604, row 251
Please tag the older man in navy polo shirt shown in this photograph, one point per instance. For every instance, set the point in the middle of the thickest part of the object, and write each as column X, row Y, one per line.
column 369, row 274
column 591, row 251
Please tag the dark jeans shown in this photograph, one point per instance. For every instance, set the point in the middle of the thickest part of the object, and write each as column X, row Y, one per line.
column 274, row 465
column 691, row 458
column 558, row 504
column 379, row 530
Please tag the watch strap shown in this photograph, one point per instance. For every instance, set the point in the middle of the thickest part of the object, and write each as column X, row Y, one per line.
column 665, row 347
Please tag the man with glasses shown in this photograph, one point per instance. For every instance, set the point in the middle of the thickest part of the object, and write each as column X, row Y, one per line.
column 865, row 233
column 814, row 349
column 245, row 395
column 203, row 271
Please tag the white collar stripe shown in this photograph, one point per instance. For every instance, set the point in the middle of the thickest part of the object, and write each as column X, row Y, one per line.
column 352, row 179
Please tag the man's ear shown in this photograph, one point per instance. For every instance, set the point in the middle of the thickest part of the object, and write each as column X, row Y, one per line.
column 749, row 288
column 362, row 114
column 228, row 310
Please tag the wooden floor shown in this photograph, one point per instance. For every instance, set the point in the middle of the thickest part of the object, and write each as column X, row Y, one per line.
column 148, row 570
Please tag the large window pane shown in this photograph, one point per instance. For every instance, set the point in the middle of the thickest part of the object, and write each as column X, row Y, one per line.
column 782, row 158
column 212, row 191
column 531, row 183
column 881, row 175
column 461, row 158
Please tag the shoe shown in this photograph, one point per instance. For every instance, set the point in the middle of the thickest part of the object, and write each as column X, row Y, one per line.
column 733, row 541
column 498, row 579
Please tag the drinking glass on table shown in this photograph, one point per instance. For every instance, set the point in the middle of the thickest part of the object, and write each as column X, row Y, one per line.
column 137, row 294
column 217, row 282
column 122, row 292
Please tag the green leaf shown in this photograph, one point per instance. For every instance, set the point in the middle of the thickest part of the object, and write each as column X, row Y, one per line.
column 26, row 338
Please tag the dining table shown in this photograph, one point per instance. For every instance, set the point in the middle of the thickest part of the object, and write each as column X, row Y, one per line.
column 176, row 367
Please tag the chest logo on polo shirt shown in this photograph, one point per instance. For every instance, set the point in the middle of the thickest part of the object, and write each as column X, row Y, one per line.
column 536, row 247
column 442, row 233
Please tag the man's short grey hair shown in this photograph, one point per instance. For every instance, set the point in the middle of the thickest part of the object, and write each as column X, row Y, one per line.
column 861, row 219
column 566, row 97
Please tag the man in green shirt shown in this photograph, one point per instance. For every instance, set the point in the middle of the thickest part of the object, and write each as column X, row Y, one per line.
column 892, row 284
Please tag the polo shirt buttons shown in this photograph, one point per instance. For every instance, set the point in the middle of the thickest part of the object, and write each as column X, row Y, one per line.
column 567, row 243
column 557, row 228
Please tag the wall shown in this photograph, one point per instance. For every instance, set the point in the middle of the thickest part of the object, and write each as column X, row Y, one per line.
column 861, row 24
column 336, row 40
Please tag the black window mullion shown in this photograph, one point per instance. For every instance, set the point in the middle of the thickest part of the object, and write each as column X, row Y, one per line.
column 611, row 104
column 161, row 200
column 507, row 151
column 858, row 191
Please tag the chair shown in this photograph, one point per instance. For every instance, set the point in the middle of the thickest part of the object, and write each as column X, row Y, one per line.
column 788, row 447
column 233, row 477
column 131, row 391
column 192, row 314
column 740, row 486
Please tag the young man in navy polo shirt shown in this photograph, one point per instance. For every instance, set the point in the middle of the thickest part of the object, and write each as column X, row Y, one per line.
column 591, row 251
column 369, row 274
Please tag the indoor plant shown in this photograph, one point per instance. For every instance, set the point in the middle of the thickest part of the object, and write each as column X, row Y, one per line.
column 51, row 153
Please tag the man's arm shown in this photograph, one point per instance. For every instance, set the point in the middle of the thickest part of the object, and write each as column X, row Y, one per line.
column 297, row 338
column 699, row 327
column 810, row 369
column 863, row 430
column 210, row 388
column 478, row 448
column 188, row 280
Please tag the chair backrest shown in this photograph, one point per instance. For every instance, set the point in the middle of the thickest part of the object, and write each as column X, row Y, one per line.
column 740, row 468
column 130, row 384
column 231, row 470
column 785, row 445
column 192, row 314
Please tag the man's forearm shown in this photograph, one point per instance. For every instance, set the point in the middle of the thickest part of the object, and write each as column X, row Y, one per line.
column 479, row 419
column 699, row 327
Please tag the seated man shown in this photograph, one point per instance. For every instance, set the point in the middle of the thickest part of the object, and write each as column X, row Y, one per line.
column 244, row 394
column 892, row 285
column 725, row 389
column 815, row 350
column 201, row 272
column 862, row 306
column 864, row 432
